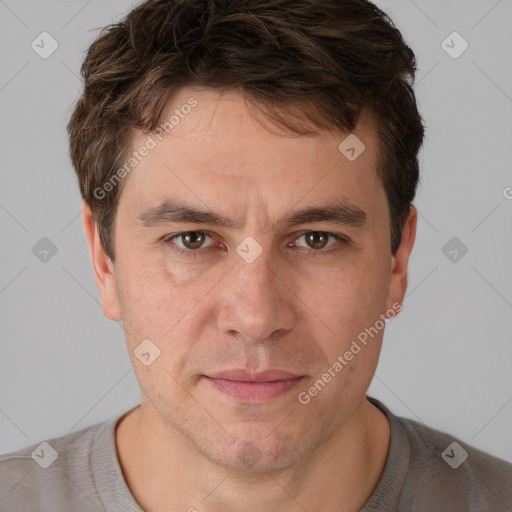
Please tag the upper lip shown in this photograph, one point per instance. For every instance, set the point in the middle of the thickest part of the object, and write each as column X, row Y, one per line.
column 243, row 375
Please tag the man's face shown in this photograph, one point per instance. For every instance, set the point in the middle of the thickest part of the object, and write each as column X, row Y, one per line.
column 261, row 294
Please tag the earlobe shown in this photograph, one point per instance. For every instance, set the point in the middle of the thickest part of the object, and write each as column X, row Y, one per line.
column 104, row 271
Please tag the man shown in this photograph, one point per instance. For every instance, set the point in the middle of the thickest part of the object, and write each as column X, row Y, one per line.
column 248, row 171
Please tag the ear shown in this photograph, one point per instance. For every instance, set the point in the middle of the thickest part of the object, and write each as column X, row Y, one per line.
column 104, row 271
column 398, row 281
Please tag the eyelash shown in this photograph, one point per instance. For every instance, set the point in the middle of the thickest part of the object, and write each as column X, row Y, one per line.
column 194, row 253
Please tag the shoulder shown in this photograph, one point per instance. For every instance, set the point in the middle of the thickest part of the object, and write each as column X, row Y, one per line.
column 51, row 473
column 444, row 469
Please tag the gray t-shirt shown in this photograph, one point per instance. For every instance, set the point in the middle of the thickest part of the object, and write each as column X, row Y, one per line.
column 426, row 471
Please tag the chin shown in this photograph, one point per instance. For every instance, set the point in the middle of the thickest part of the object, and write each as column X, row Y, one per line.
column 260, row 450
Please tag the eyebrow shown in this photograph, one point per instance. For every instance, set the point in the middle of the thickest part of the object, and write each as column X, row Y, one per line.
column 343, row 213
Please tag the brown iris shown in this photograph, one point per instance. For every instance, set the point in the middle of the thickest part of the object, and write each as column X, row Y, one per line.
column 316, row 239
column 193, row 240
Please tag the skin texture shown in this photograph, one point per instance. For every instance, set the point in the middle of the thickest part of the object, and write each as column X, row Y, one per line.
column 292, row 309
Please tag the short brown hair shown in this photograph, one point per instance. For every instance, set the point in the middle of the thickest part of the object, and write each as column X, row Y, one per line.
column 330, row 59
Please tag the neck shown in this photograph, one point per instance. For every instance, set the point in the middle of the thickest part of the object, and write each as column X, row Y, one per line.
column 163, row 469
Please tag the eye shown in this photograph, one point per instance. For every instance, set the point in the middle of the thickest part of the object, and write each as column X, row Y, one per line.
column 318, row 240
column 190, row 240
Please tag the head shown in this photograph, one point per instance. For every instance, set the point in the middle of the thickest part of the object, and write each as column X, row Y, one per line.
column 240, row 110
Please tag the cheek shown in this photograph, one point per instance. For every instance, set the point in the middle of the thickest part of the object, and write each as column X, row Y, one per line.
column 347, row 297
column 349, row 300
column 155, row 308
column 156, row 298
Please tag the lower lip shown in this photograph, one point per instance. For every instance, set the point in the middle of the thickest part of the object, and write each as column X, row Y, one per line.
column 254, row 391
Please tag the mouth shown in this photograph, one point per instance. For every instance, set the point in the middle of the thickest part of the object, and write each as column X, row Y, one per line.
column 250, row 386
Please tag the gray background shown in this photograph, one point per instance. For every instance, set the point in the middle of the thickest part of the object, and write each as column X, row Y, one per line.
column 446, row 357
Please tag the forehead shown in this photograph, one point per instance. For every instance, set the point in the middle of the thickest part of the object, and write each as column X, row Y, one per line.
column 217, row 150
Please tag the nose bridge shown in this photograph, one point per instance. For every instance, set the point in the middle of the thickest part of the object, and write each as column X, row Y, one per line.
column 256, row 282
column 256, row 259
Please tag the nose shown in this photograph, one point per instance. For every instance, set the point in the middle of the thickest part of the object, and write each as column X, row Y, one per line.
column 257, row 302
